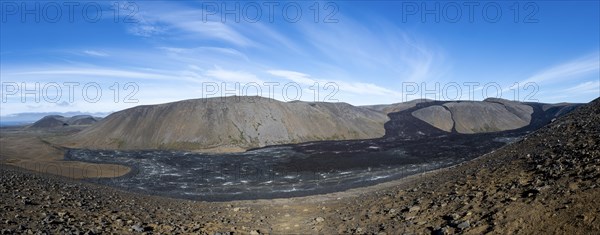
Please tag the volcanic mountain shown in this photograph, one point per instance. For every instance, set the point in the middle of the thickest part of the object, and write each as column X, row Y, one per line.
column 417, row 117
column 240, row 123
column 230, row 124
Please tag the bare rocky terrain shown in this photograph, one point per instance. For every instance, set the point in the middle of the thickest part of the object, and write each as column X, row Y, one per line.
column 477, row 117
column 549, row 182
column 229, row 124
column 437, row 116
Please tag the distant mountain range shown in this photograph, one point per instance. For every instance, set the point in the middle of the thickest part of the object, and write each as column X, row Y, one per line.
column 240, row 123
column 53, row 121
column 24, row 118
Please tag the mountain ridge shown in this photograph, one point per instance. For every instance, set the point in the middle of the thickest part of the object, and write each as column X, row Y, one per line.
column 229, row 124
column 235, row 124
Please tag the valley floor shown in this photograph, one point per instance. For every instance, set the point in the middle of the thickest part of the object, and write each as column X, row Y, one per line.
column 29, row 149
column 547, row 183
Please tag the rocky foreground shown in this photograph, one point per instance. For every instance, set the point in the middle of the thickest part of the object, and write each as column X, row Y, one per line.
column 547, row 183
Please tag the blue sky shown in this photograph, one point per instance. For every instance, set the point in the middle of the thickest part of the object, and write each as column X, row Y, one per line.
column 359, row 52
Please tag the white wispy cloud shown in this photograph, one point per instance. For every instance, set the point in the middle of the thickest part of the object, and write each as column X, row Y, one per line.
column 101, row 74
column 569, row 70
column 145, row 25
column 175, row 21
column 233, row 76
column 210, row 30
column 95, row 53
column 97, row 73
column 210, row 56
column 588, row 87
column 551, row 81
column 344, row 86
column 294, row 76
column 268, row 38
column 346, row 51
column 376, row 48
